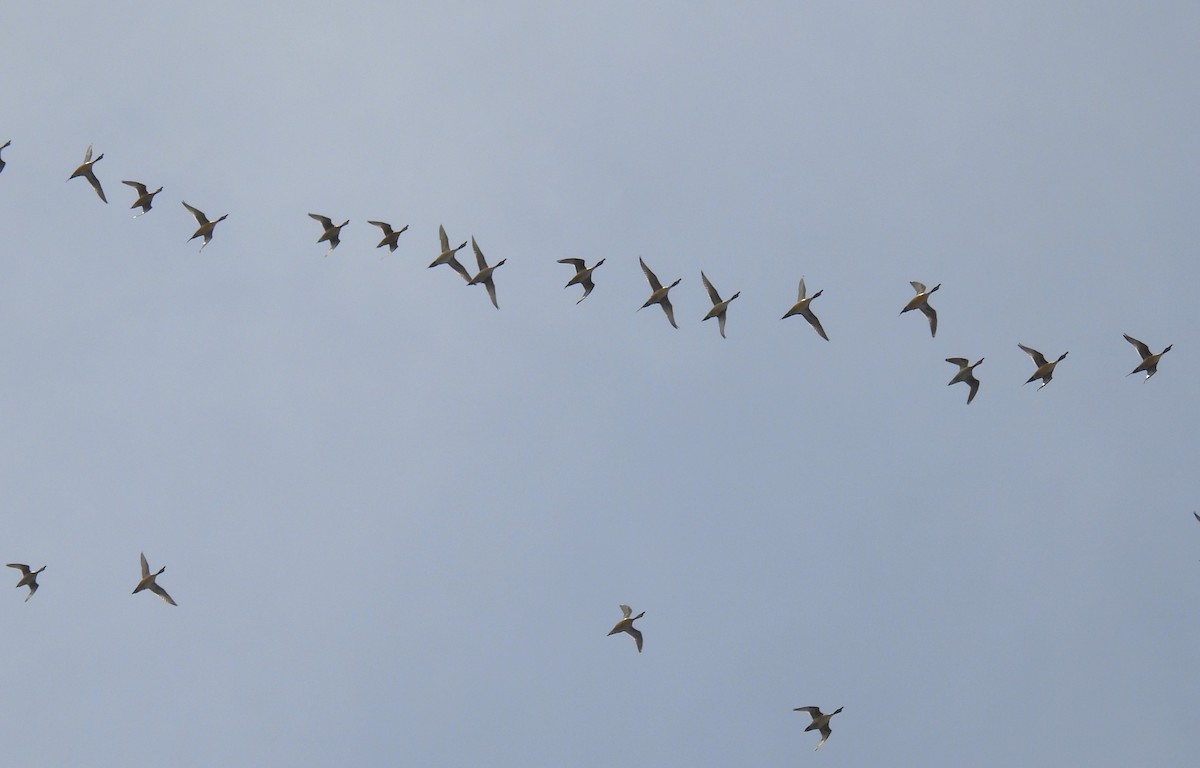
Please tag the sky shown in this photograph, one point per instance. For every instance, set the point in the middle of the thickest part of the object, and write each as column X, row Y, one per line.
column 398, row 523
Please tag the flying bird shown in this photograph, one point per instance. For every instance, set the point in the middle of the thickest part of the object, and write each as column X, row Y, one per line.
column 148, row 581
column 658, row 294
column 921, row 302
column 966, row 372
column 332, row 233
column 819, row 721
column 206, row 227
column 1045, row 369
column 2, row 146
column 391, row 236
column 85, row 170
column 484, row 276
column 626, row 625
column 583, row 275
column 28, row 577
column 447, row 255
column 719, row 306
column 145, row 198
column 1150, row 360
column 802, row 308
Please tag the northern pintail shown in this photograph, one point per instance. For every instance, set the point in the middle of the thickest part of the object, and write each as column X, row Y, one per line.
column 1045, row 368
column 391, row 236
column 658, row 294
column 447, row 255
column 802, row 308
column 1150, row 360
column 484, row 276
column 28, row 578
column 966, row 372
column 148, row 581
column 921, row 302
column 85, row 170
column 145, row 198
column 583, row 275
column 626, row 625
column 206, row 227
column 332, row 233
column 719, row 305
column 819, row 721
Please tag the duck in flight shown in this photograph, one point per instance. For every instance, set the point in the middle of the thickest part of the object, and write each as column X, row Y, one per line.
column 802, row 308
column 719, row 305
column 966, row 372
column 1150, row 360
column 85, row 170
column 658, row 294
column 206, row 227
column 583, row 275
column 447, row 255
column 1045, row 368
column 148, row 582
column 145, row 198
column 391, row 236
column 28, row 577
column 332, row 233
column 921, row 302
column 484, row 276
column 626, row 625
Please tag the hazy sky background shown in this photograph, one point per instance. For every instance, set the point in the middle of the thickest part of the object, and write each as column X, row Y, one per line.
column 398, row 523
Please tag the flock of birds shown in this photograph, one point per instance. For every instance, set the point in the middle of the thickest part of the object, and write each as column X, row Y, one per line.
column 584, row 277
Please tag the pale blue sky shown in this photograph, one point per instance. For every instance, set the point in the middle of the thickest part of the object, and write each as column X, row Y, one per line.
column 398, row 523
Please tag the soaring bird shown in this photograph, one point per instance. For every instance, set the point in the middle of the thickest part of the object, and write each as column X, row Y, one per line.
column 390, row 236
column 85, row 170
column 966, row 372
column 583, row 275
column 145, row 198
column 484, row 276
column 719, row 306
column 2, row 146
column 332, row 233
column 819, row 721
column 28, row 577
column 802, row 308
column 1150, row 360
column 921, row 302
column 626, row 625
column 658, row 294
column 1045, row 369
column 206, row 227
column 148, row 581
column 447, row 255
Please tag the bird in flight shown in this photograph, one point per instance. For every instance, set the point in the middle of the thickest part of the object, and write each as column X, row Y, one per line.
column 819, row 721
column 583, row 275
column 626, row 625
column 206, row 227
column 802, row 308
column 28, row 577
column 85, row 170
column 148, row 581
column 921, row 302
column 658, row 294
column 145, row 198
column 966, row 372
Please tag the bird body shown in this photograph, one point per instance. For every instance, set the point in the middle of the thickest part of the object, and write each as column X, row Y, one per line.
column 658, row 293
column 1150, row 360
column 802, row 308
column 626, row 625
column 583, row 275
column 1045, row 368
column 966, row 373
column 921, row 302
column 484, row 275
column 206, row 227
column 819, row 722
column 332, row 233
column 720, row 306
column 148, row 582
column 28, row 576
column 145, row 198
column 85, row 170
column 447, row 255
column 391, row 236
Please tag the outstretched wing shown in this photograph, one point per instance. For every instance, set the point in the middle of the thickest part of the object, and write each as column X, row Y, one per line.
column 199, row 214
column 654, row 284
column 145, row 565
column 1038, row 358
column 1142, row 349
column 712, row 292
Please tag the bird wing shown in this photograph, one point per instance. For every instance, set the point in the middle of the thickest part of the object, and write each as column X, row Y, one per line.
column 145, row 565
column 974, row 384
column 325, row 220
column 199, row 214
column 91, row 177
column 721, row 324
column 626, row 610
column 654, row 284
column 637, row 636
column 491, row 289
column 800, row 295
column 961, row 362
column 139, row 186
column 459, row 268
column 25, row 568
column 918, row 287
column 825, row 731
column 33, row 587
column 666, row 305
column 814, row 322
column 931, row 313
column 1142, row 349
column 708, row 286
column 161, row 592
column 87, row 156
column 387, row 228
column 444, row 239
column 482, row 262
column 1197, row 516
column 1038, row 358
